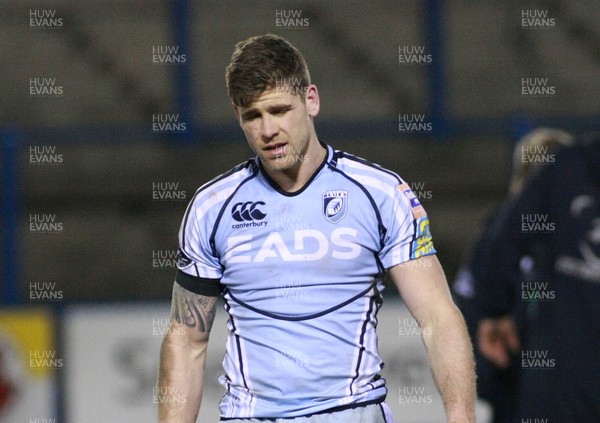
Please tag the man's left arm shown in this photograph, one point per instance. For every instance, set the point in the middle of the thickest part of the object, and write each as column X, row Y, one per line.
column 423, row 287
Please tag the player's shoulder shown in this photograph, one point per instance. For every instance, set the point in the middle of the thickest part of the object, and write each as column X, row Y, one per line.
column 367, row 173
column 220, row 187
column 233, row 177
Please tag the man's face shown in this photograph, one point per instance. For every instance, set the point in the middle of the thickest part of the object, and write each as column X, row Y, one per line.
column 279, row 128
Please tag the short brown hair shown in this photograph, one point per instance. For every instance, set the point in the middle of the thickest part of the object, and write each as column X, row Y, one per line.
column 261, row 63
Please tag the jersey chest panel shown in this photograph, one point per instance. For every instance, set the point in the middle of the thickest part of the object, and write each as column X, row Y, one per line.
column 267, row 240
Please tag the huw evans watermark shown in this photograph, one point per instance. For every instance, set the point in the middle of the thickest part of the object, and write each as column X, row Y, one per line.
column 45, row 19
column 291, row 359
column 45, row 223
column 408, row 326
column 537, row 291
column 537, row 223
column 537, row 88
column 167, row 191
column 291, row 155
column 290, row 221
column 420, row 191
column 162, row 327
column 44, row 291
column 167, row 55
column 414, row 123
column 168, row 123
column 164, row 259
column 44, row 155
column 44, row 359
column 45, row 88
column 291, row 19
column 536, row 18
column 168, row 395
column 291, row 290
column 291, row 85
column 537, row 359
column 413, row 55
column 414, row 395
column 537, row 154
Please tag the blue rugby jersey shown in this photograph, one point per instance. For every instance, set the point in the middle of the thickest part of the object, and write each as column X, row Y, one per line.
column 301, row 275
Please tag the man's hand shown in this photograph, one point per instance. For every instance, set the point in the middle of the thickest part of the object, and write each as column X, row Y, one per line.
column 497, row 339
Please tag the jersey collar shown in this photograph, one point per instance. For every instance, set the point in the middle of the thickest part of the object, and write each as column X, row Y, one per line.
column 327, row 159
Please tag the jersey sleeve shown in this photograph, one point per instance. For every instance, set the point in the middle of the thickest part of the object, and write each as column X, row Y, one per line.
column 198, row 267
column 408, row 236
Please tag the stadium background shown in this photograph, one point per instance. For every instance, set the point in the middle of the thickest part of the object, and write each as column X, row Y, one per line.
column 112, row 113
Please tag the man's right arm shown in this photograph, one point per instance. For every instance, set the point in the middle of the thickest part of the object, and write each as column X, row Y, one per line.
column 183, row 356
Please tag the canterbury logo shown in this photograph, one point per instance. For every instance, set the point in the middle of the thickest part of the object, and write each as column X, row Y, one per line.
column 248, row 211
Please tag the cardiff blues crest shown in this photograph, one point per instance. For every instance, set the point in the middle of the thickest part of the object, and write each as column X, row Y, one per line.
column 335, row 205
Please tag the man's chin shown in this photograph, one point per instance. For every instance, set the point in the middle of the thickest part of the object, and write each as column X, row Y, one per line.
column 277, row 164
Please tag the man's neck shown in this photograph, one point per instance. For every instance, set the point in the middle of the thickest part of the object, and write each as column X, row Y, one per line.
column 293, row 179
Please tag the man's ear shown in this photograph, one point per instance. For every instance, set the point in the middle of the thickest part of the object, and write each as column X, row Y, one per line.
column 312, row 100
column 237, row 113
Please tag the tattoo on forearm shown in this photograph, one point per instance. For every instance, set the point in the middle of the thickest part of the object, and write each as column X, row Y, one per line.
column 193, row 310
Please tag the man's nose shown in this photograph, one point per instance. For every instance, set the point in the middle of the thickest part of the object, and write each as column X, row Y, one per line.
column 269, row 127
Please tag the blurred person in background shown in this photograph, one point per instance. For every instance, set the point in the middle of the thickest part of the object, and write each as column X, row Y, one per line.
column 478, row 281
column 556, row 221
column 303, row 300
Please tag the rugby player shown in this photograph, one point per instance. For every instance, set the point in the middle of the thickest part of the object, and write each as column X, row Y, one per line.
column 308, row 291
